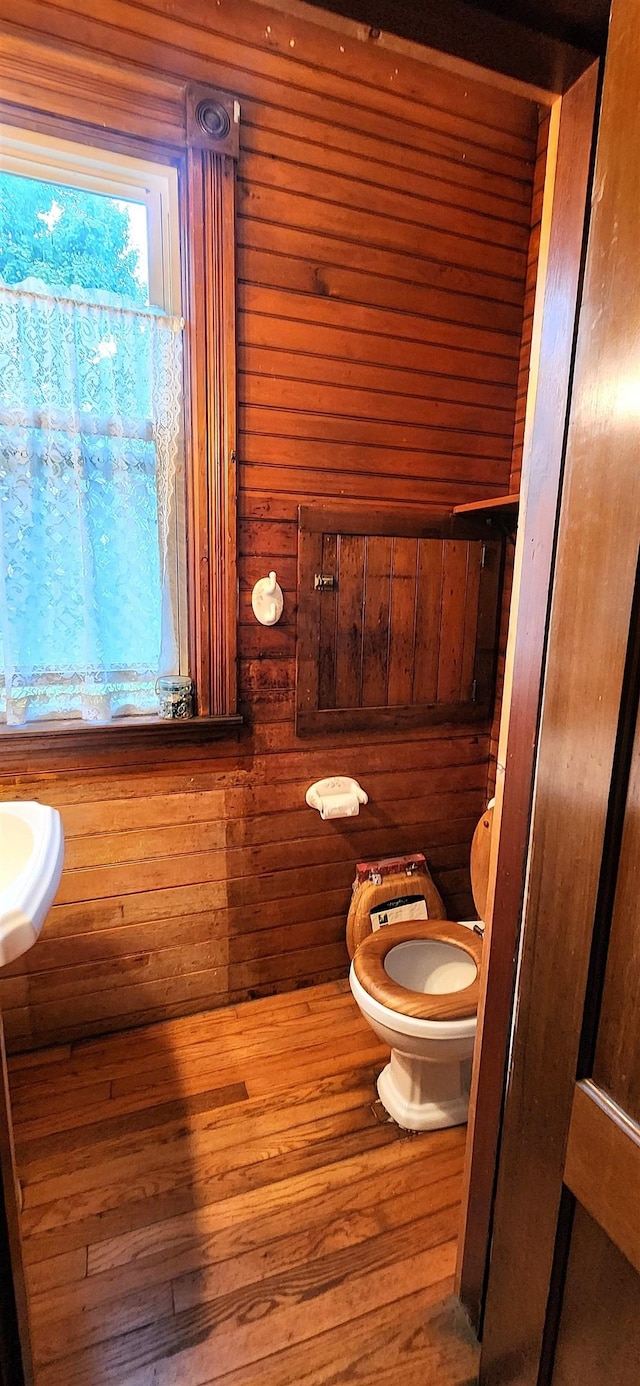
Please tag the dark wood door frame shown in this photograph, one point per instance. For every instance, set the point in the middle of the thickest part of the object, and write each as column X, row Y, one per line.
column 561, row 258
column 579, row 733
column 16, row 1366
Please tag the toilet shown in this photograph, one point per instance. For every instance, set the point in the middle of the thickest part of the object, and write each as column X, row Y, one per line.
column 417, row 985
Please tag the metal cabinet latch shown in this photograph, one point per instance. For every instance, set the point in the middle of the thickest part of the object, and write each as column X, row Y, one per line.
column 324, row 582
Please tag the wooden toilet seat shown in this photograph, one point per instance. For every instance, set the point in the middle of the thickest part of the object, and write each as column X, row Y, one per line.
column 368, row 965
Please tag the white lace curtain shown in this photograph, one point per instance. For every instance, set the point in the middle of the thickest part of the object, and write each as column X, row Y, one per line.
column 90, row 447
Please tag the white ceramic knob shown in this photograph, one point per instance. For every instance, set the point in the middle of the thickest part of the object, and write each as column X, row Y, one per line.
column 267, row 600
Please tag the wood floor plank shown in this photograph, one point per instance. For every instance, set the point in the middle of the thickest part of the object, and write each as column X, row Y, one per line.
column 220, row 1201
column 345, row 1216
column 376, row 1237
column 244, row 1327
column 285, row 1198
column 220, row 1038
column 185, row 1169
column 259, row 1065
column 45, row 1241
column 217, row 1124
column 213, row 1144
column 268, row 1077
column 68, row 1268
column 138, row 1309
column 408, row 1342
column 378, row 1233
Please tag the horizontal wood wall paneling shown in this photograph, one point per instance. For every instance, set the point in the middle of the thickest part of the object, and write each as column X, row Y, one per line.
column 340, row 57
column 394, row 148
column 245, row 772
column 275, row 393
column 334, row 265
column 454, row 234
column 354, row 459
column 432, row 182
column 279, row 363
column 394, row 438
column 383, row 244
column 371, row 345
column 356, row 318
column 370, row 487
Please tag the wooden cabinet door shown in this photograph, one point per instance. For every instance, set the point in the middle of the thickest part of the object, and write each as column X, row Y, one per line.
column 563, row 1299
column 397, row 620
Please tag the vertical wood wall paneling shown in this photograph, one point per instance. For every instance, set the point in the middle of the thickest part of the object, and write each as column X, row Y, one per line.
column 383, row 226
column 402, row 620
column 327, row 671
column 348, row 650
column 452, row 620
column 376, row 630
column 428, row 622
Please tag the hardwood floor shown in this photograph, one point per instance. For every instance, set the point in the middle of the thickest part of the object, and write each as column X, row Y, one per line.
column 221, row 1199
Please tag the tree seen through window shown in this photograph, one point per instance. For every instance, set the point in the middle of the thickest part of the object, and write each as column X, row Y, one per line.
column 90, row 446
column 66, row 235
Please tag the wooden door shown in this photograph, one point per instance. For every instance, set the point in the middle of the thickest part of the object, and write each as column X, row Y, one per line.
column 593, row 1323
column 563, row 1301
column 562, row 232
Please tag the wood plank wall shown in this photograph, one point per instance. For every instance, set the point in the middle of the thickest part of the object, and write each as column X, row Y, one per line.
column 383, row 231
column 518, row 433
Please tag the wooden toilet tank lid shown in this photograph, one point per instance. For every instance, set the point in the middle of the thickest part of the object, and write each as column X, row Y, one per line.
column 479, row 862
column 368, row 896
column 368, row 965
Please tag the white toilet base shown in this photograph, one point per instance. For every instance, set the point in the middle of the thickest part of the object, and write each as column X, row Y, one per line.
column 425, row 1096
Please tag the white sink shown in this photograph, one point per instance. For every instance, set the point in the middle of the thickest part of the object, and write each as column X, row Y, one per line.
column 31, row 856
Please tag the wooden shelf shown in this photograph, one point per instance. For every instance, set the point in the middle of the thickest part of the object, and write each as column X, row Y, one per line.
column 508, row 503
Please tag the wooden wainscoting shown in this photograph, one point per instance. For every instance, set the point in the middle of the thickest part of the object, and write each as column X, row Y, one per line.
column 383, row 230
column 220, row 1199
column 200, row 883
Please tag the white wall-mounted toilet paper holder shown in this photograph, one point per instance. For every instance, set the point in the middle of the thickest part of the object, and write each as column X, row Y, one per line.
column 339, row 796
column 267, row 600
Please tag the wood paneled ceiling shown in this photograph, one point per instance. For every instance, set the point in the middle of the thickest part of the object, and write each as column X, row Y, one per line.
column 582, row 23
column 522, row 38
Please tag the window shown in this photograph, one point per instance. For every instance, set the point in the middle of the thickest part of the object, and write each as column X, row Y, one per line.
column 92, row 509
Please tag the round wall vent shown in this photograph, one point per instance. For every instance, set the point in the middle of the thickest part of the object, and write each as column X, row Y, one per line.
column 213, row 119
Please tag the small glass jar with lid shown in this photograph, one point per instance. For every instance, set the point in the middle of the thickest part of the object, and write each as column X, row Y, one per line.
column 175, row 696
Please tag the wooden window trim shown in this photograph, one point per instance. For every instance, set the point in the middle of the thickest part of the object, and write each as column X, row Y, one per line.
column 209, row 234
column 67, row 738
column 206, row 174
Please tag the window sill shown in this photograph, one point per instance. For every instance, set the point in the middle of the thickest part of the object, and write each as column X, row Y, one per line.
column 73, row 738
